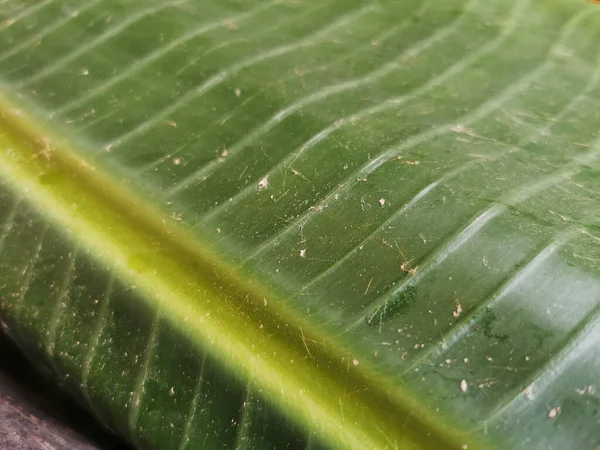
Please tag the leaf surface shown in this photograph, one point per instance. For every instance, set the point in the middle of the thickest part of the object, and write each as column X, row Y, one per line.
column 282, row 224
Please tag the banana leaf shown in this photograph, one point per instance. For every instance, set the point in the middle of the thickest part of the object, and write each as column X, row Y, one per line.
column 337, row 224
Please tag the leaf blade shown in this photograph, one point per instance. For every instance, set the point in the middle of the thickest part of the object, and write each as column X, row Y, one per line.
column 283, row 179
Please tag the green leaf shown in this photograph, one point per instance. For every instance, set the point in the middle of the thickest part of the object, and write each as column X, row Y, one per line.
column 283, row 224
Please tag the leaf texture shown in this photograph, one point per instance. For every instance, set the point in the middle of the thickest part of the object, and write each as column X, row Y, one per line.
column 286, row 224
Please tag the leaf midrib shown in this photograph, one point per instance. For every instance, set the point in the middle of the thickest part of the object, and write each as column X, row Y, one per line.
column 246, row 326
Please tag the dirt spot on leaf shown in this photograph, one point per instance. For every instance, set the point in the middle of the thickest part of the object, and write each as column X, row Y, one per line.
column 398, row 304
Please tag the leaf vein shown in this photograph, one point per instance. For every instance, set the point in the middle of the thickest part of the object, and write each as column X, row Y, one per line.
column 222, row 75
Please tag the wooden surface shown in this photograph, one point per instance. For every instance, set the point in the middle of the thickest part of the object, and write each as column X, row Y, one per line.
column 23, row 426
column 36, row 416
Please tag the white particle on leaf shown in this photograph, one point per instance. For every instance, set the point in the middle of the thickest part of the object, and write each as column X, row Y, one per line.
column 458, row 310
column 462, row 130
column 230, row 25
column 355, row 362
column 586, row 390
column 238, row 91
column 554, row 412
column 176, row 161
column 85, row 72
column 303, row 253
column 172, row 391
column 382, row 201
column 464, row 386
column 263, row 183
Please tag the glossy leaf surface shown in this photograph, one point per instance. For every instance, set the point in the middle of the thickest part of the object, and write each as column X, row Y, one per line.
column 292, row 224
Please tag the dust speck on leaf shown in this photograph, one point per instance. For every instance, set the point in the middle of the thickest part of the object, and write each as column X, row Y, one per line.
column 587, row 390
column 462, row 130
column 85, row 72
column 298, row 174
column 406, row 267
column 171, row 123
column 238, row 92
column 263, row 183
column 172, row 391
column 177, row 161
column 382, row 201
column 303, row 253
column 355, row 362
column 230, row 25
column 554, row 412
column 46, row 148
column 457, row 310
column 85, row 115
column 464, row 386
column 408, row 162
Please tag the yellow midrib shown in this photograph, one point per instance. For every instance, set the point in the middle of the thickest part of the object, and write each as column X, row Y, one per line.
column 258, row 341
